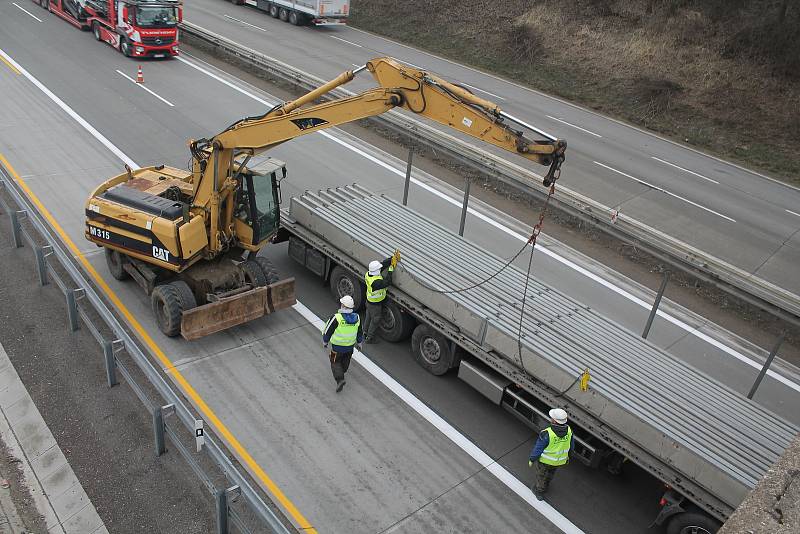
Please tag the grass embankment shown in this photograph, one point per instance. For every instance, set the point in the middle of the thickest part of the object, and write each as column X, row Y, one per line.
column 721, row 75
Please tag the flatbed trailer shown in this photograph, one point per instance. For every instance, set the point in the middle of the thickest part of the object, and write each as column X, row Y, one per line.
column 642, row 403
column 304, row 12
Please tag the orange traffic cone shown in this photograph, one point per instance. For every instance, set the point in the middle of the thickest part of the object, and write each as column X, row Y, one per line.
column 139, row 75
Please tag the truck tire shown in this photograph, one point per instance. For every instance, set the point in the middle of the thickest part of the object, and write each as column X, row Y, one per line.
column 396, row 325
column 253, row 274
column 187, row 298
column 283, row 14
column 431, row 350
column 45, row 4
column 268, row 268
column 274, row 12
column 124, row 47
column 96, row 31
column 296, row 19
column 167, row 309
column 116, row 264
column 692, row 523
column 343, row 283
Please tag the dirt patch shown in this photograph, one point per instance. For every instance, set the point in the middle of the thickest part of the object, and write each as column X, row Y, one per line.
column 722, row 75
column 11, row 474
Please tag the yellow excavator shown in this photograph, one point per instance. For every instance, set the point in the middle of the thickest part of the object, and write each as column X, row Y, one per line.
column 190, row 239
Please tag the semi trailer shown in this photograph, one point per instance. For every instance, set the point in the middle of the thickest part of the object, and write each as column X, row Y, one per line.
column 304, row 12
column 641, row 405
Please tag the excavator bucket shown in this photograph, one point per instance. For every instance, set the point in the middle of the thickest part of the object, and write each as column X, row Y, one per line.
column 229, row 312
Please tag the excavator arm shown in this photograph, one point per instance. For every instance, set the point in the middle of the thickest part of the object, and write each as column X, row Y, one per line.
column 218, row 161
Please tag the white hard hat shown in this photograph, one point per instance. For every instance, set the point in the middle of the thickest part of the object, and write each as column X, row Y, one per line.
column 347, row 302
column 558, row 415
column 375, row 267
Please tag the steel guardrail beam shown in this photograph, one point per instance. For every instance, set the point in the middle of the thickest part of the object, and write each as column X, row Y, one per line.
column 729, row 278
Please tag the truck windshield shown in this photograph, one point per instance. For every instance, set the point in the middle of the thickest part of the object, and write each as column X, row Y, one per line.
column 156, row 17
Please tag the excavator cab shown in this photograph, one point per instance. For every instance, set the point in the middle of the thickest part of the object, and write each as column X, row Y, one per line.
column 258, row 212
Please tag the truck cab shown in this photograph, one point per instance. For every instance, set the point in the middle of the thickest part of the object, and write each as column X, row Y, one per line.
column 138, row 28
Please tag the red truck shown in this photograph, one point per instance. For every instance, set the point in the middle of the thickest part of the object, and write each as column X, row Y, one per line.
column 137, row 28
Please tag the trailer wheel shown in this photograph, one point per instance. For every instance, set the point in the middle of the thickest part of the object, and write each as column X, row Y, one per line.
column 45, row 4
column 167, row 308
column 295, row 18
column 692, row 523
column 396, row 324
column 268, row 268
column 343, row 283
column 253, row 274
column 96, row 31
column 283, row 14
column 431, row 350
column 185, row 294
column 116, row 264
column 273, row 11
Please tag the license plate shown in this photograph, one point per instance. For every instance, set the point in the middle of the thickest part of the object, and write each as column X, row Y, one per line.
column 159, row 55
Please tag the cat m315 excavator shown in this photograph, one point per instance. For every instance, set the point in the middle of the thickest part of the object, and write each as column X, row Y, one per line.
column 190, row 239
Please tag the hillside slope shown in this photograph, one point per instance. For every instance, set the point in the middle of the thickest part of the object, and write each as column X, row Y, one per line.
column 722, row 75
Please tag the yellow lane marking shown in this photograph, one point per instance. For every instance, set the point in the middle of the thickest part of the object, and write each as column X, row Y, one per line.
column 187, row 388
column 10, row 66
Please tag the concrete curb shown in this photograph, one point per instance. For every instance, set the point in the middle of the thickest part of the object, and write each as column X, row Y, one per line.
column 56, row 491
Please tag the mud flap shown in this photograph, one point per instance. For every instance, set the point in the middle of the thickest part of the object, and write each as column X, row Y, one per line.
column 225, row 313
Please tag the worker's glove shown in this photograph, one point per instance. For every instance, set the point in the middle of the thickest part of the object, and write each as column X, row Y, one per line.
column 396, row 257
column 530, row 463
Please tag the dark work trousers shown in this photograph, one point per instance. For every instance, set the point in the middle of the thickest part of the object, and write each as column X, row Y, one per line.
column 340, row 361
column 544, row 474
column 373, row 319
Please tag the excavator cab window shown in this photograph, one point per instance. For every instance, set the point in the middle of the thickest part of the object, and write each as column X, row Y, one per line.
column 263, row 205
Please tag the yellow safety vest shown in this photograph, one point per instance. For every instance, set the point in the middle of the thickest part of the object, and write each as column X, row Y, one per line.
column 376, row 295
column 346, row 334
column 557, row 450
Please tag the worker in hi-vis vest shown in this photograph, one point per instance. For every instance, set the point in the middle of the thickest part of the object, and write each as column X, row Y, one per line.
column 551, row 451
column 343, row 332
column 377, row 279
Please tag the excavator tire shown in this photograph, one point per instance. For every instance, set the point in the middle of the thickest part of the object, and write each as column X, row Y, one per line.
column 269, row 270
column 253, row 274
column 187, row 298
column 167, row 308
column 116, row 264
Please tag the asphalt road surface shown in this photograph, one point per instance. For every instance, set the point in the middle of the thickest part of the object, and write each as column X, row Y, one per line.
column 267, row 381
column 737, row 215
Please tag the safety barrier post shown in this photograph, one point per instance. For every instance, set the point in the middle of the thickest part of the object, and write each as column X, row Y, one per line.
column 655, row 305
column 158, row 430
column 464, row 208
column 408, row 177
column 72, row 309
column 41, row 263
column 222, row 511
column 767, row 363
column 16, row 229
column 111, row 365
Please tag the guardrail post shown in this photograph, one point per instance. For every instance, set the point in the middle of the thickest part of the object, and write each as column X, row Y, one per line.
column 41, row 264
column 222, row 511
column 16, row 229
column 464, row 208
column 111, row 364
column 655, row 304
column 158, row 430
column 72, row 309
column 767, row 363
column 408, row 176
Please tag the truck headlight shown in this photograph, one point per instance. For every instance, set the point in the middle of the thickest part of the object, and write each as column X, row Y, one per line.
column 140, row 49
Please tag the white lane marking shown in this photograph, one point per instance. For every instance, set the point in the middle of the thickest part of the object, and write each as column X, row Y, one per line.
column 353, row 64
column 69, row 111
column 793, row 212
column 574, row 126
column 499, row 226
column 481, row 90
column 167, row 102
column 685, row 170
column 26, row 11
column 345, row 41
column 463, row 442
column 635, row 179
column 245, row 23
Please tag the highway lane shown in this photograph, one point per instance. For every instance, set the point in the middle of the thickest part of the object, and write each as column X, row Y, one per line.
column 737, row 215
column 150, row 131
column 119, row 106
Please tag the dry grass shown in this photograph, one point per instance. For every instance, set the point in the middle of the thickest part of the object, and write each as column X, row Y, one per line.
column 723, row 75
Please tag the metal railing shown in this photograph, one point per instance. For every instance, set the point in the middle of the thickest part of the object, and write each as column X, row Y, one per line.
column 80, row 297
column 729, row 278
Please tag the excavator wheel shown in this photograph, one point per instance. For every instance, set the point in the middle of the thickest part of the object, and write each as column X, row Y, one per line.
column 253, row 274
column 269, row 270
column 167, row 308
column 116, row 264
column 187, row 298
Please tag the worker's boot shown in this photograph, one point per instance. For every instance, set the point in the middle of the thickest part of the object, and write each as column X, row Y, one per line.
column 339, row 385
